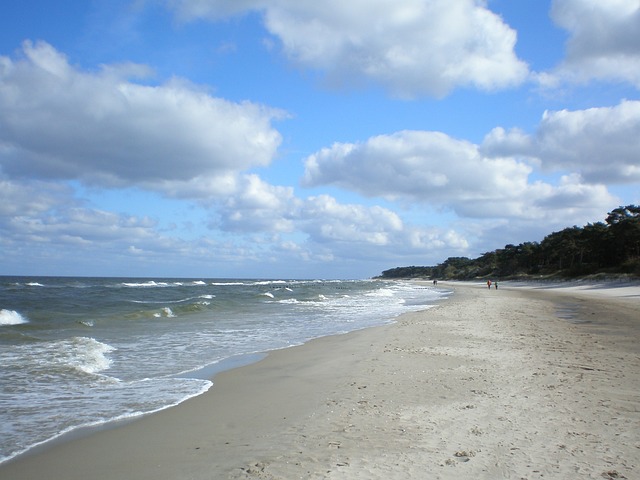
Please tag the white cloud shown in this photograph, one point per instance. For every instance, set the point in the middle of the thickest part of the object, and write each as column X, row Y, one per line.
column 434, row 169
column 30, row 198
column 43, row 216
column 435, row 239
column 502, row 143
column 80, row 226
column 411, row 47
column 601, row 144
column 604, row 41
column 58, row 122
column 257, row 206
column 326, row 220
column 44, row 229
column 104, row 130
column 346, row 232
column 418, row 166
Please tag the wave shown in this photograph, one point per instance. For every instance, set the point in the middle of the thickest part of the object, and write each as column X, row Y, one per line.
column 148, row 284
column 88, row 354
column 181, row 300
column 79, row 354
column 250, row 283
column 199, row 387
column 381, row 292
column 11, row 317
column 154, row 284
column 166, row 312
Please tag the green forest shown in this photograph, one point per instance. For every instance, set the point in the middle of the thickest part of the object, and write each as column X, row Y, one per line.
column 609, row 248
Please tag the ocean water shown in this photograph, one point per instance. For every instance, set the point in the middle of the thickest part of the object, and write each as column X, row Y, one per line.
column 78, row 352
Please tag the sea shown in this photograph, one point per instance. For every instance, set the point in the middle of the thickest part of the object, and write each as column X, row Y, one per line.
column 85, row 352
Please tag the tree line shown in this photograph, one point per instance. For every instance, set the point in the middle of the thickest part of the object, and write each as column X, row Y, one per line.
column 611, row 247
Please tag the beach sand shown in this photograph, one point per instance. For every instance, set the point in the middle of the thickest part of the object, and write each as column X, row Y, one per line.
column 520, row 382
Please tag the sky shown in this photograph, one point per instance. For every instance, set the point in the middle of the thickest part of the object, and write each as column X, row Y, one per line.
column 299, row 139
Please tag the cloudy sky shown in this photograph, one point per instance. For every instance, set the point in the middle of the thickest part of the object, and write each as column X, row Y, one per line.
column 299, row 139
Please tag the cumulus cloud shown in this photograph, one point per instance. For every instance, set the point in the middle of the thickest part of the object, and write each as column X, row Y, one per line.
column 59, row 122
column 44, row 228
column 255, row 205
column 326, row 220
column 411, row 47
column 502, row 143
column 416, row 165
column 434, row 169
column 603, row 41
column 601, row 144
column 30, row 198
column 347, row 232
column 48, row 214
column 436, row 239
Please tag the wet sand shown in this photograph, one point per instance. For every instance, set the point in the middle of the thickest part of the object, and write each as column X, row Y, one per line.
column 520, row 382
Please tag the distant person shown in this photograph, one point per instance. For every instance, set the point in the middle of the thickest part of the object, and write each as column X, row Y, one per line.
column 489, row 284
column 496, row 284
column 435, row 283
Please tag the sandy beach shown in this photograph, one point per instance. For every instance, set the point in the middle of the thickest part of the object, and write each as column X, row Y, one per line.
column 520, row 382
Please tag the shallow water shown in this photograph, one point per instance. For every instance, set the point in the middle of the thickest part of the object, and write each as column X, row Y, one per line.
column 87, row 351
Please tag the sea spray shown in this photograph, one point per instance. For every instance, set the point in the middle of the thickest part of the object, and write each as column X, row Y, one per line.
column 11, row 317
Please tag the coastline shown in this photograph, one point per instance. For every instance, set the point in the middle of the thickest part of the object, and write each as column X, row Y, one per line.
column 487, row 384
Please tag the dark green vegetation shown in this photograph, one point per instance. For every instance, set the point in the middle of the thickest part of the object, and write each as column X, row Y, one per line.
column 603, row 248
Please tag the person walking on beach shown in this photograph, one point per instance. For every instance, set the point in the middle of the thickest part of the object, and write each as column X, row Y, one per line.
column 489, row 284
column 496, row 284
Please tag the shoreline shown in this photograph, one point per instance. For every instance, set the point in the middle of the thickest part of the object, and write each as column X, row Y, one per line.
column 207, row 372
column 491, row 384
column 157, row 362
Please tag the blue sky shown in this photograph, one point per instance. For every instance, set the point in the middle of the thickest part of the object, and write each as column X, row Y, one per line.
column 255, row 138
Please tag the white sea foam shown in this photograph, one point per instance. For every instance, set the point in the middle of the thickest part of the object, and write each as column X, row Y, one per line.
column 382, row 292
column 148, row 284
column 153, row 283
column 11, row 317
column 35, row 284
column 190, row 388
column 267, row 294
column 84, row 354
column 90, row 355
column 166, row 312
